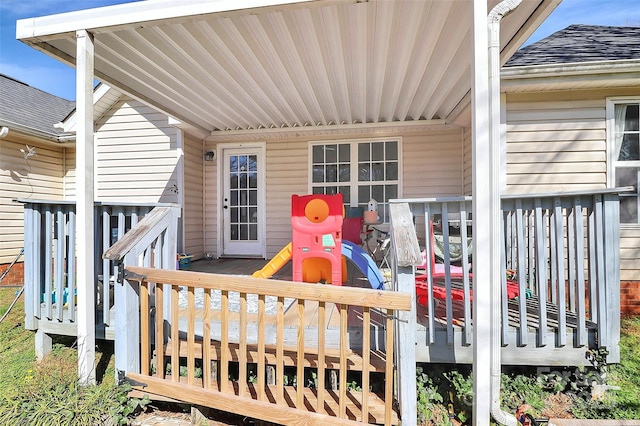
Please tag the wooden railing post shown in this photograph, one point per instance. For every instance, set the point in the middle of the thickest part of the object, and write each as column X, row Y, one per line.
column 611, row 229
column 127, row 322
column 404, row 243
column 155, row 233
column 31, row 266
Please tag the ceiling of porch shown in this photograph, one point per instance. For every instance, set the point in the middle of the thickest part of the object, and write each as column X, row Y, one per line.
column 233, row 70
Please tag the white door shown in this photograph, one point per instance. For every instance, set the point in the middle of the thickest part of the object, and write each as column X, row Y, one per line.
column 243, row 200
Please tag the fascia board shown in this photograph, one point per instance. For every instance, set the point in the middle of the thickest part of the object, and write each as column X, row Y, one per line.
column 122, row 16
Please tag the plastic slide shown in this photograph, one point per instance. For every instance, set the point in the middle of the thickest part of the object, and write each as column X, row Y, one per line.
column 364, row 262
column 274, row 265
column 351, row 251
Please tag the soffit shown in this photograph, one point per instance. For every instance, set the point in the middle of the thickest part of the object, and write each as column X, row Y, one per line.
column 223, row 68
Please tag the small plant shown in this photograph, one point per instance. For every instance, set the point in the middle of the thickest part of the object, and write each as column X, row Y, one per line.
column 429, row 401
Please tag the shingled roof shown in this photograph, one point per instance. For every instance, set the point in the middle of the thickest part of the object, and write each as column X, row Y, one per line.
column 581, row 43
column 30, row 107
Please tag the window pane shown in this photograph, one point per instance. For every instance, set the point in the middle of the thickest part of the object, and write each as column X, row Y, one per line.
column 331, row 152
column 318, row 173
column 243, row 198
column 391, row 150
column 377, row 171
column 244, row 181
column 253, row 163
column 631, row 120
column 234, row 198
column 364, row 171
column 253, row 215
column 253, row 198
column 346, row 194
column 364, row 195
column 630, row 149
column 628, row 209
column 332, row 173
column 233, row 180
column 318, row 190
column 253, row 232
column 377, row 193
column 627, row 176
column 344, row 152
column 377, row 151
column 391, row 192
column 363, row 152
column 253, row 180
column 392, row 171
column 344, row 172
column 317, row 154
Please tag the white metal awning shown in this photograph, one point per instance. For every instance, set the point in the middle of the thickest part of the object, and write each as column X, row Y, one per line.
column 235, row 66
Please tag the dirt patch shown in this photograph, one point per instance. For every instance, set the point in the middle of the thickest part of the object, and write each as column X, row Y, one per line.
column 558, row 406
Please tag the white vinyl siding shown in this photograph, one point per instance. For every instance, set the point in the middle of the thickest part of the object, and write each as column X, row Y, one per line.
column 192, row 211
column 431, row 166
column 555, row 146
column 69, row 171
column 38, row 177
column 136, row 155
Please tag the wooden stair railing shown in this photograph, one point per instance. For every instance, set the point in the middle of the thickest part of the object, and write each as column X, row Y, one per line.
column 240, row 338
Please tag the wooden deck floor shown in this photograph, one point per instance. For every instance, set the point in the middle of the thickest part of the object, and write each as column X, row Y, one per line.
column 441, row 351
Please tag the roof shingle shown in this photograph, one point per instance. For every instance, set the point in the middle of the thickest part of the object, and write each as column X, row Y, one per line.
column 581, row 43
column 31, row 107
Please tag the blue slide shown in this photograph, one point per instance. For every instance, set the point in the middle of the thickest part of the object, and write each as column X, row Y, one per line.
column 364, row 262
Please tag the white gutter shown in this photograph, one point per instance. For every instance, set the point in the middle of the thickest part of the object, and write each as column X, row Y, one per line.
column 44, row 137
column 493, row 21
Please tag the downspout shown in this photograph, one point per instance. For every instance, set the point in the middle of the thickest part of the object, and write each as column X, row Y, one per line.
column 493, row 21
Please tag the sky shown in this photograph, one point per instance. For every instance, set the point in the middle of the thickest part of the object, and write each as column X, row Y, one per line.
column 30, row 66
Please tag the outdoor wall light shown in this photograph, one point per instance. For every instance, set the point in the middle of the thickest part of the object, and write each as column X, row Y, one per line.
column 210, row 155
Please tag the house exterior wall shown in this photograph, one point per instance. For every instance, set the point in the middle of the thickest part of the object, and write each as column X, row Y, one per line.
column 431, row 166
column 193, row 206
column 136, row 155
column 556, row 141
column 36, row 177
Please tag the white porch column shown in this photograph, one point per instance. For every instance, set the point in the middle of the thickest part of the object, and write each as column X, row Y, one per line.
column 482, row 221
column 84, row 207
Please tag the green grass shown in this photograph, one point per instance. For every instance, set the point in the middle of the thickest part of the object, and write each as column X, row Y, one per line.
column 48, row 392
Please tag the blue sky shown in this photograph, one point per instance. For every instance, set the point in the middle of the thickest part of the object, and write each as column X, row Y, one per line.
column 19, row 61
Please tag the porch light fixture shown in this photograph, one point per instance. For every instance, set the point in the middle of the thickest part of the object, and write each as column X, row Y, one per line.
column 210, row 155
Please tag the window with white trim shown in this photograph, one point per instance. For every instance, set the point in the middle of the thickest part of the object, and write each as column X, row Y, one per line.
column 359, row 170
column 625, row 146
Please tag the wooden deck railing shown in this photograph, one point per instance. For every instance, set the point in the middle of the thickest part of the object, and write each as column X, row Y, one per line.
column 50, row 260
column 561, row 250
column 202, row 330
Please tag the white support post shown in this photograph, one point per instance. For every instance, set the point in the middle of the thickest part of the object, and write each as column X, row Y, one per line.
column 481, row 161
column 127, row 323
column 84, row 207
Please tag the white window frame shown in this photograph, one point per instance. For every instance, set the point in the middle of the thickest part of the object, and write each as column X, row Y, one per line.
column 612, row 162
column 354, row 183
